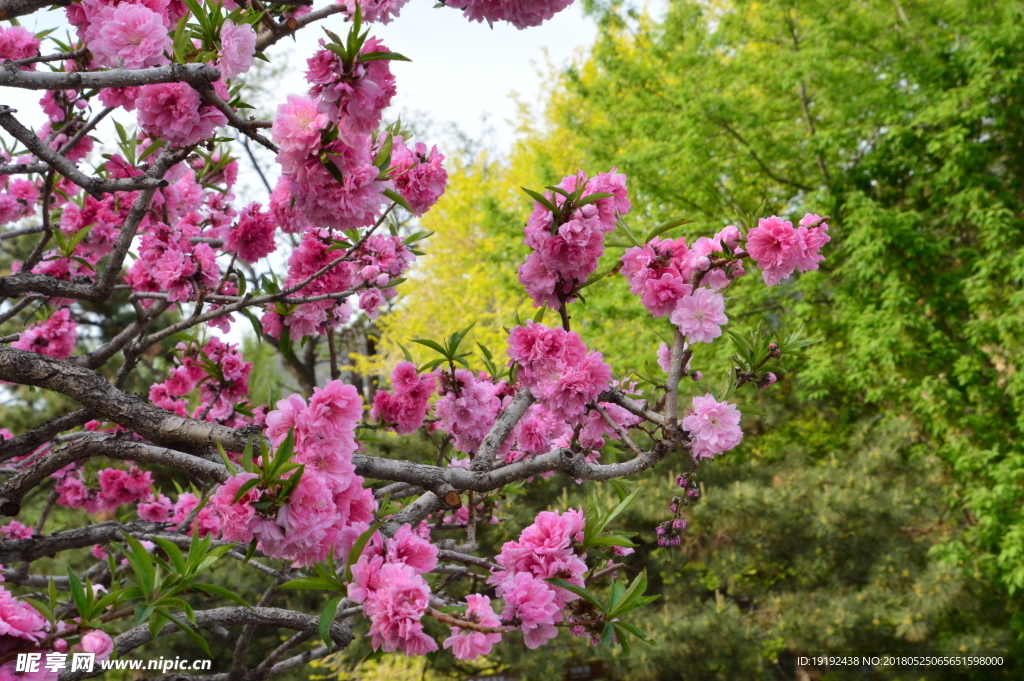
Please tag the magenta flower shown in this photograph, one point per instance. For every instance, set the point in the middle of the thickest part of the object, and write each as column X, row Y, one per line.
column 253, row 236
column 173, row 111
column 54, row 337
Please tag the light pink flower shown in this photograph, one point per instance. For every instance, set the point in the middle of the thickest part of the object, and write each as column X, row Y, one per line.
column 520, row 13
column 133, row 33
column 237, row 49
column 98, row 643
column 713, row 426
column 296, row 128
column 17, row 43
column 699, row 316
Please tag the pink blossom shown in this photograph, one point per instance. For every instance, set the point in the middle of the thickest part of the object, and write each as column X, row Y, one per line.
column 15, row 530
column 54, row 337
column 713, row 426
column 297, row 127
column 133, row 33
column 533, row 602
column 395, row 609
column 577, row 387
column 98, row 643
column 699, row 316
column 665, row 357
column 374, row 10
column 334, row 410
column 365, row 577
column 418, row 174
column 409, row 548
column 469, row 644
column 812, row 235
column 467, row 408
column 661, row 296
column 19, row 619
column 237, row 49
column 238, row 519
column 253, row 236
column 174, row 112
column 356, row 97
column 520, row 13
column 156, row 510
column 119, row 487
column 284, row 418
column 17, row 43
column 354, row 202
column 123, row 97
column 773, row 245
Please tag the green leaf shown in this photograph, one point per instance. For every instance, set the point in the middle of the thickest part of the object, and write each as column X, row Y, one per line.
column 357, row 549
column 173, row 552
column 578, row 590
column 327, row 618
column 223, row 593
column 228, row 463
column 380, row 56
column 432, row 345
column 199, row 640
column 608, row 635
column 397, row 198
column 311, row 583
column 666, row 226
column 246, row 486
column 542, row 200
column 635, row 590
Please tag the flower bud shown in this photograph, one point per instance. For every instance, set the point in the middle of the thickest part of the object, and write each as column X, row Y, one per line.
column 696, row 375
column 382, row 279
column 767, row 380
column 693, row 492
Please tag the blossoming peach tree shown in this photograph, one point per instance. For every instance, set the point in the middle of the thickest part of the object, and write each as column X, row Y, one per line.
column 287, row 489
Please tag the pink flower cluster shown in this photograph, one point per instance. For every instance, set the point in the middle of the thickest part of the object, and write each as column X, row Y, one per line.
column 115, row 488
column 54, row 337
column 352, row 95
column 382, row 11
column 520, row 13
column 565, row 252
column 174, row 112
column 15, row 530
column 171, row 263
column 19, row 622
column 418, row 174
column 388, row 582
column 714, row 426
column 468, row 406
column 558, row 369
column 329, row 502
column 237, row 49
column 779, row 249
column 160, row 509
column 544, row 551
column 17, row 198
column 129, row 35
column 406, row 406
column 468, row 644
column 218, row 371
column 378, row 260
column 17, row 43
column 252, row 237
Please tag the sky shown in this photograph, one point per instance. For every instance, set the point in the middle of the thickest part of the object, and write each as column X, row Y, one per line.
column 462, row 73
